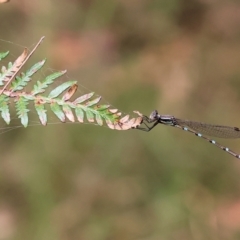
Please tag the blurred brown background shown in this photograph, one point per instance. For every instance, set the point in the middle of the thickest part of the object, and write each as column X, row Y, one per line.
column 83, row 182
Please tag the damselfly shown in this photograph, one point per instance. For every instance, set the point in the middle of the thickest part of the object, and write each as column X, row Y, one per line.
column 197, row 128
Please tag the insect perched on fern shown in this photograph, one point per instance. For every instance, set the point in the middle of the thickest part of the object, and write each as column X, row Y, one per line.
column 59, row 99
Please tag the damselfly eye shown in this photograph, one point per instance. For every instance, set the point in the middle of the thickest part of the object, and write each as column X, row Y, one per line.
column 153, row 115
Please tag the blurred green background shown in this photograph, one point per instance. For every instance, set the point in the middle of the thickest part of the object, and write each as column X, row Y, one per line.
column 84, row 182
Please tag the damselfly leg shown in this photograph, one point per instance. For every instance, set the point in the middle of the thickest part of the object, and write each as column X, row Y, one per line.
column 146, row 121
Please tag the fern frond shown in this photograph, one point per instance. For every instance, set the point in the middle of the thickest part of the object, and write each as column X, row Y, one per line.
column 70, row 92
column 12, row 68
column 5, row 71
column 40, row 87
column 20, row 82
column 68, row 113
column 3, row 55
column 83, row 98
column 41, row 112
column 4, row 108
column 21, row 106
column 57, row 110
column 59, row 99
column 60, row 89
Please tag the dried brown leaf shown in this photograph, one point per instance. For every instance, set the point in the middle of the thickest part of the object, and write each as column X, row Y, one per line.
column 83, row 98
column 93, row 102
column 70, row 92
column 118, row 126
column 124, row 119
column 138, row 113
column 137, row 122
column 113, row 110
column 68, row 112
column 17, row 64
column 125, row 124
column 110, row 124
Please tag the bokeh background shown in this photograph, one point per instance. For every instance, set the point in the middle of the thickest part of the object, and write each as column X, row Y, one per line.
column 84, row 182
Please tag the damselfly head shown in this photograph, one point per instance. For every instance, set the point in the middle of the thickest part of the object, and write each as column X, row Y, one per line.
column 154, row 115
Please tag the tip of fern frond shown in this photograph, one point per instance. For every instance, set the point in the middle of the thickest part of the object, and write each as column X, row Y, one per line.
column 124, row 119
column 117, row 126
column 138, row 113
column 110, row 124
column 125, row 123
column 137, row 122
